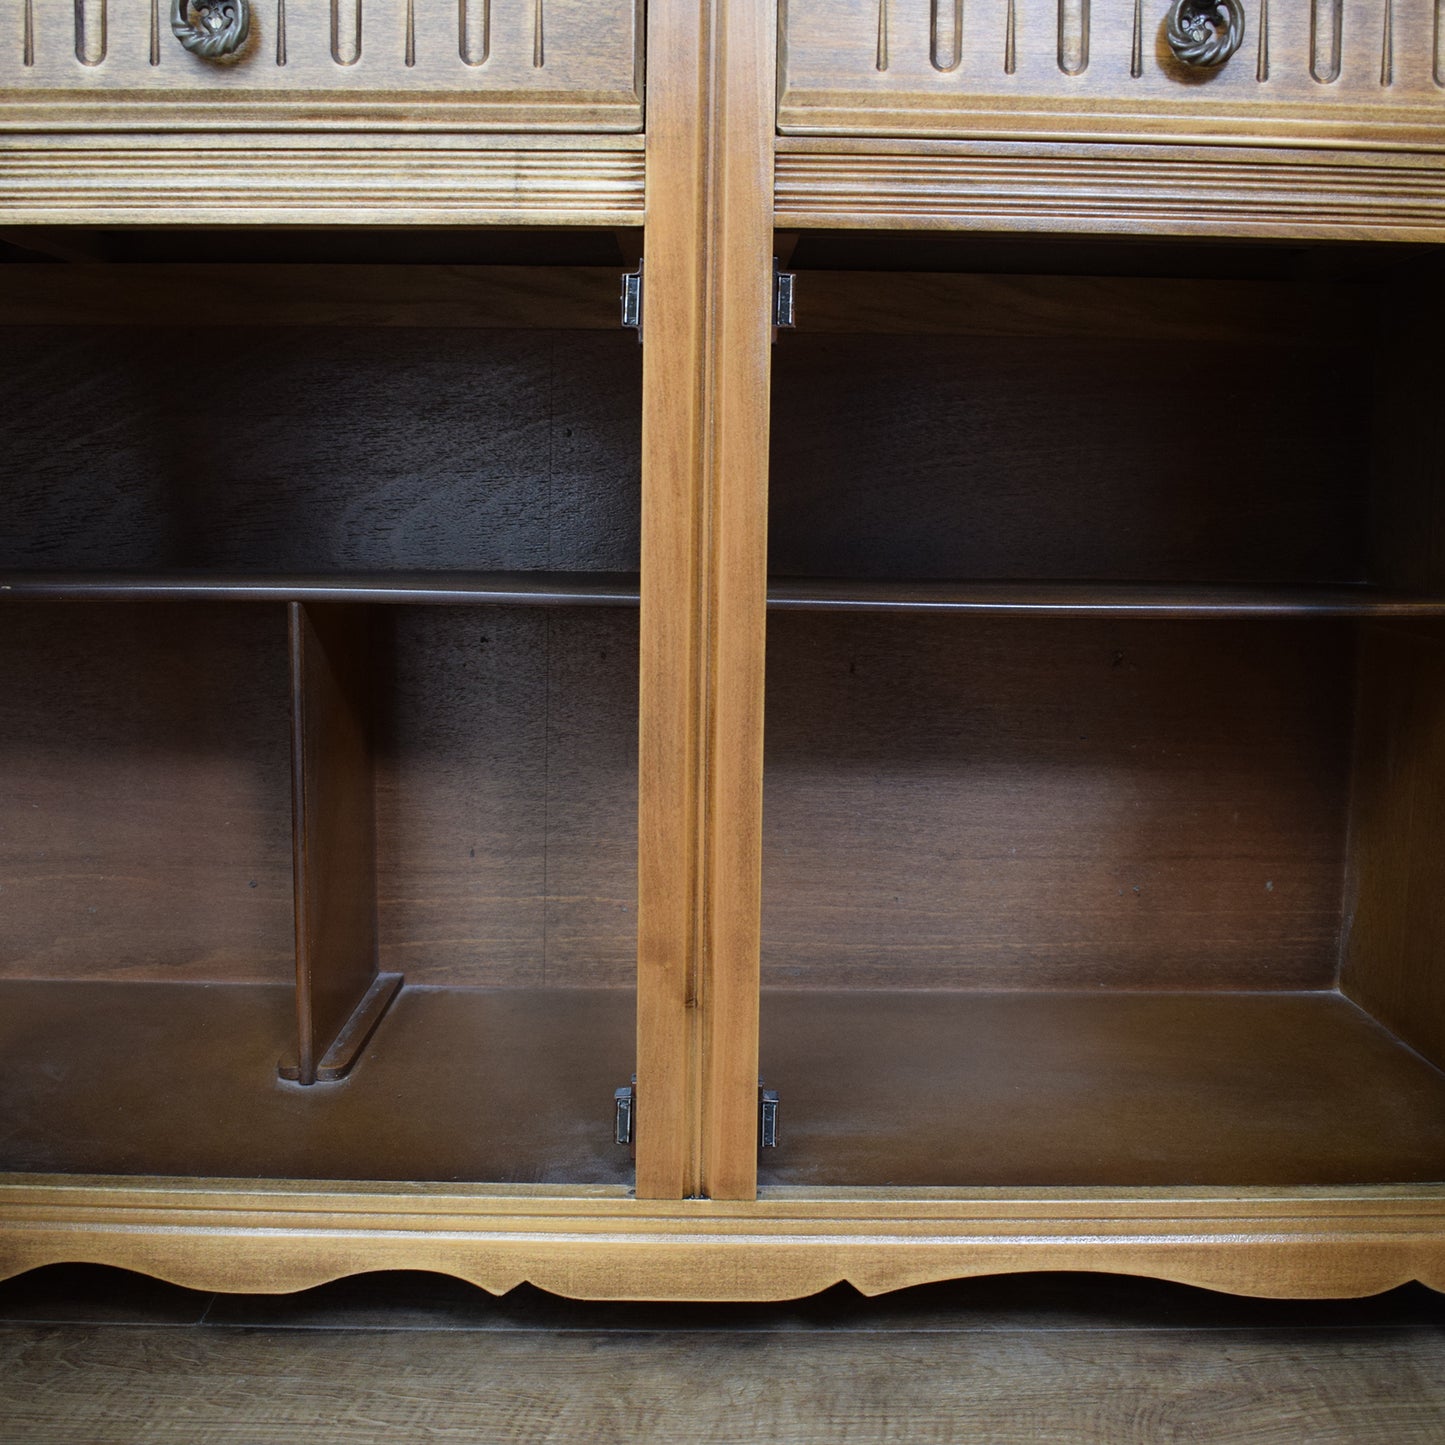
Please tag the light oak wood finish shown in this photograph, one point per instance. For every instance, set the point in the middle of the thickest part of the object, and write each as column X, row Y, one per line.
column 706, row 318
column 1087, row 187
column 1319, row 74
column 291, row 179
column 597, row 1243
column 501, row 65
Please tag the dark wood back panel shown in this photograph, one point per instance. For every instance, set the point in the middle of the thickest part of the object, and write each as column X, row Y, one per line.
column 507, row 796
column 1012, row 803
column 145, row 807
column 145, row 792
column 291, row 448
column 1105, row 457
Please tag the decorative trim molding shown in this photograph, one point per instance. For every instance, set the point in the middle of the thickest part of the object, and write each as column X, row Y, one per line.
column 54, row 181
column 600, row 1244
column 1180, row 191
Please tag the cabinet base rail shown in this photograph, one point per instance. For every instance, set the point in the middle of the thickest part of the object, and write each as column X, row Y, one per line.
column 599, row 1243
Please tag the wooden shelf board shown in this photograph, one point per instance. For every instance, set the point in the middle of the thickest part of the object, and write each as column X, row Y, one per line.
column 1055, row 1089
column 508, row 1086
column 524, row 589
column 1099, row 599
column 611, row 589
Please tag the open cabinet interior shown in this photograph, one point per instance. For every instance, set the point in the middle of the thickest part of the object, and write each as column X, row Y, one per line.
column 1105, row 751
column 319, row 734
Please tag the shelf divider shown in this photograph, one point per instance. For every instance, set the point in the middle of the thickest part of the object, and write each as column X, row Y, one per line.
column 340, row 995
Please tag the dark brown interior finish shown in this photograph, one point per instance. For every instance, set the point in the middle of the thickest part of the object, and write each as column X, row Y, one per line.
column 969, row 1088
column 1147, row 896
column 328, row 448
column 494, row 1085
column 1018, row 803
column 1067, row 457
column 148, row 800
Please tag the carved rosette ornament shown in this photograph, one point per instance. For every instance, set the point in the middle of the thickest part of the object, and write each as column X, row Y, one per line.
column 1205, row 32
column 212, row 29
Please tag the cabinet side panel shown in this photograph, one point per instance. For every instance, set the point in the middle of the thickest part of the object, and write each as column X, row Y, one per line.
column 1394, row 956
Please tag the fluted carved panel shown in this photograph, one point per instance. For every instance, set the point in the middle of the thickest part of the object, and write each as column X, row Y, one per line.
column 1349, row 71
column 559, row 65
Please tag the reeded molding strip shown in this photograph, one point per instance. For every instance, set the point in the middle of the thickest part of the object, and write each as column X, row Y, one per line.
column 1182, row 191
column 59, row 182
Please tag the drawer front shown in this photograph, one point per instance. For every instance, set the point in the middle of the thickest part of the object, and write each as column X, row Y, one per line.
column 490, row 65
column 1357, row 73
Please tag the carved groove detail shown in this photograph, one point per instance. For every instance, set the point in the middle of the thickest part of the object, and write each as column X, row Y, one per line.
column 1440, row 42
column 1010, row 41
column 1074, row 36
column 539, row 38
column 1261, row 68
column 1182, row 196
column 880, row 61
column 945, row 50
column 28, row 55
column 474, row 30
column 346, row 31
column 410, row 56
column 1387, row 46
column 280, row 32
column 1327, row 26
column 1136, row 56
column 89, row 51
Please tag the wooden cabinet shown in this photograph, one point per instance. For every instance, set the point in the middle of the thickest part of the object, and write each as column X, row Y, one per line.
column 1002, row 715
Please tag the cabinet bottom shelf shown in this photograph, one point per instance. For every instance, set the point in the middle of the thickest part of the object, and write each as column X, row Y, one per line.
column 483, row 1085
column 966, row 1089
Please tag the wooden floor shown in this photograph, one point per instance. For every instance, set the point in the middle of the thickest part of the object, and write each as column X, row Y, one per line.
column 91, row 1355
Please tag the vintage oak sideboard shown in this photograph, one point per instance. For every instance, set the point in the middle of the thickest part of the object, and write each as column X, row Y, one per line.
column 931, row 764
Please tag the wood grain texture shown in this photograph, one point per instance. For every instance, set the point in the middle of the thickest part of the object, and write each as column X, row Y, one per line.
column 1325, row 194
column 147, row 816
column 1137, row 308
column 966, row 1089
column 123, row 180
column 333, row 824
column 507, row 798
column 999, row 803
column 395, row 65
column 595, row 1242
column 706, row 315
column 1337, row 1386
column 954, row 457
column 1077, row 71
column 338, row 449
column 510, row 1085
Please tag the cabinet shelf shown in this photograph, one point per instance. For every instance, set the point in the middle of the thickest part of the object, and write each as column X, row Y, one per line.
column 1179, row 601
column 967, row 1089
column 516, row 589
column 1099, row 599
column 495, row 1085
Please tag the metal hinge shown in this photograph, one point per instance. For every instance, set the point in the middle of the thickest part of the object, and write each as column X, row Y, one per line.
column 632, row 300
column 784, row 288
column 767, row 1117
column 624, row 1115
